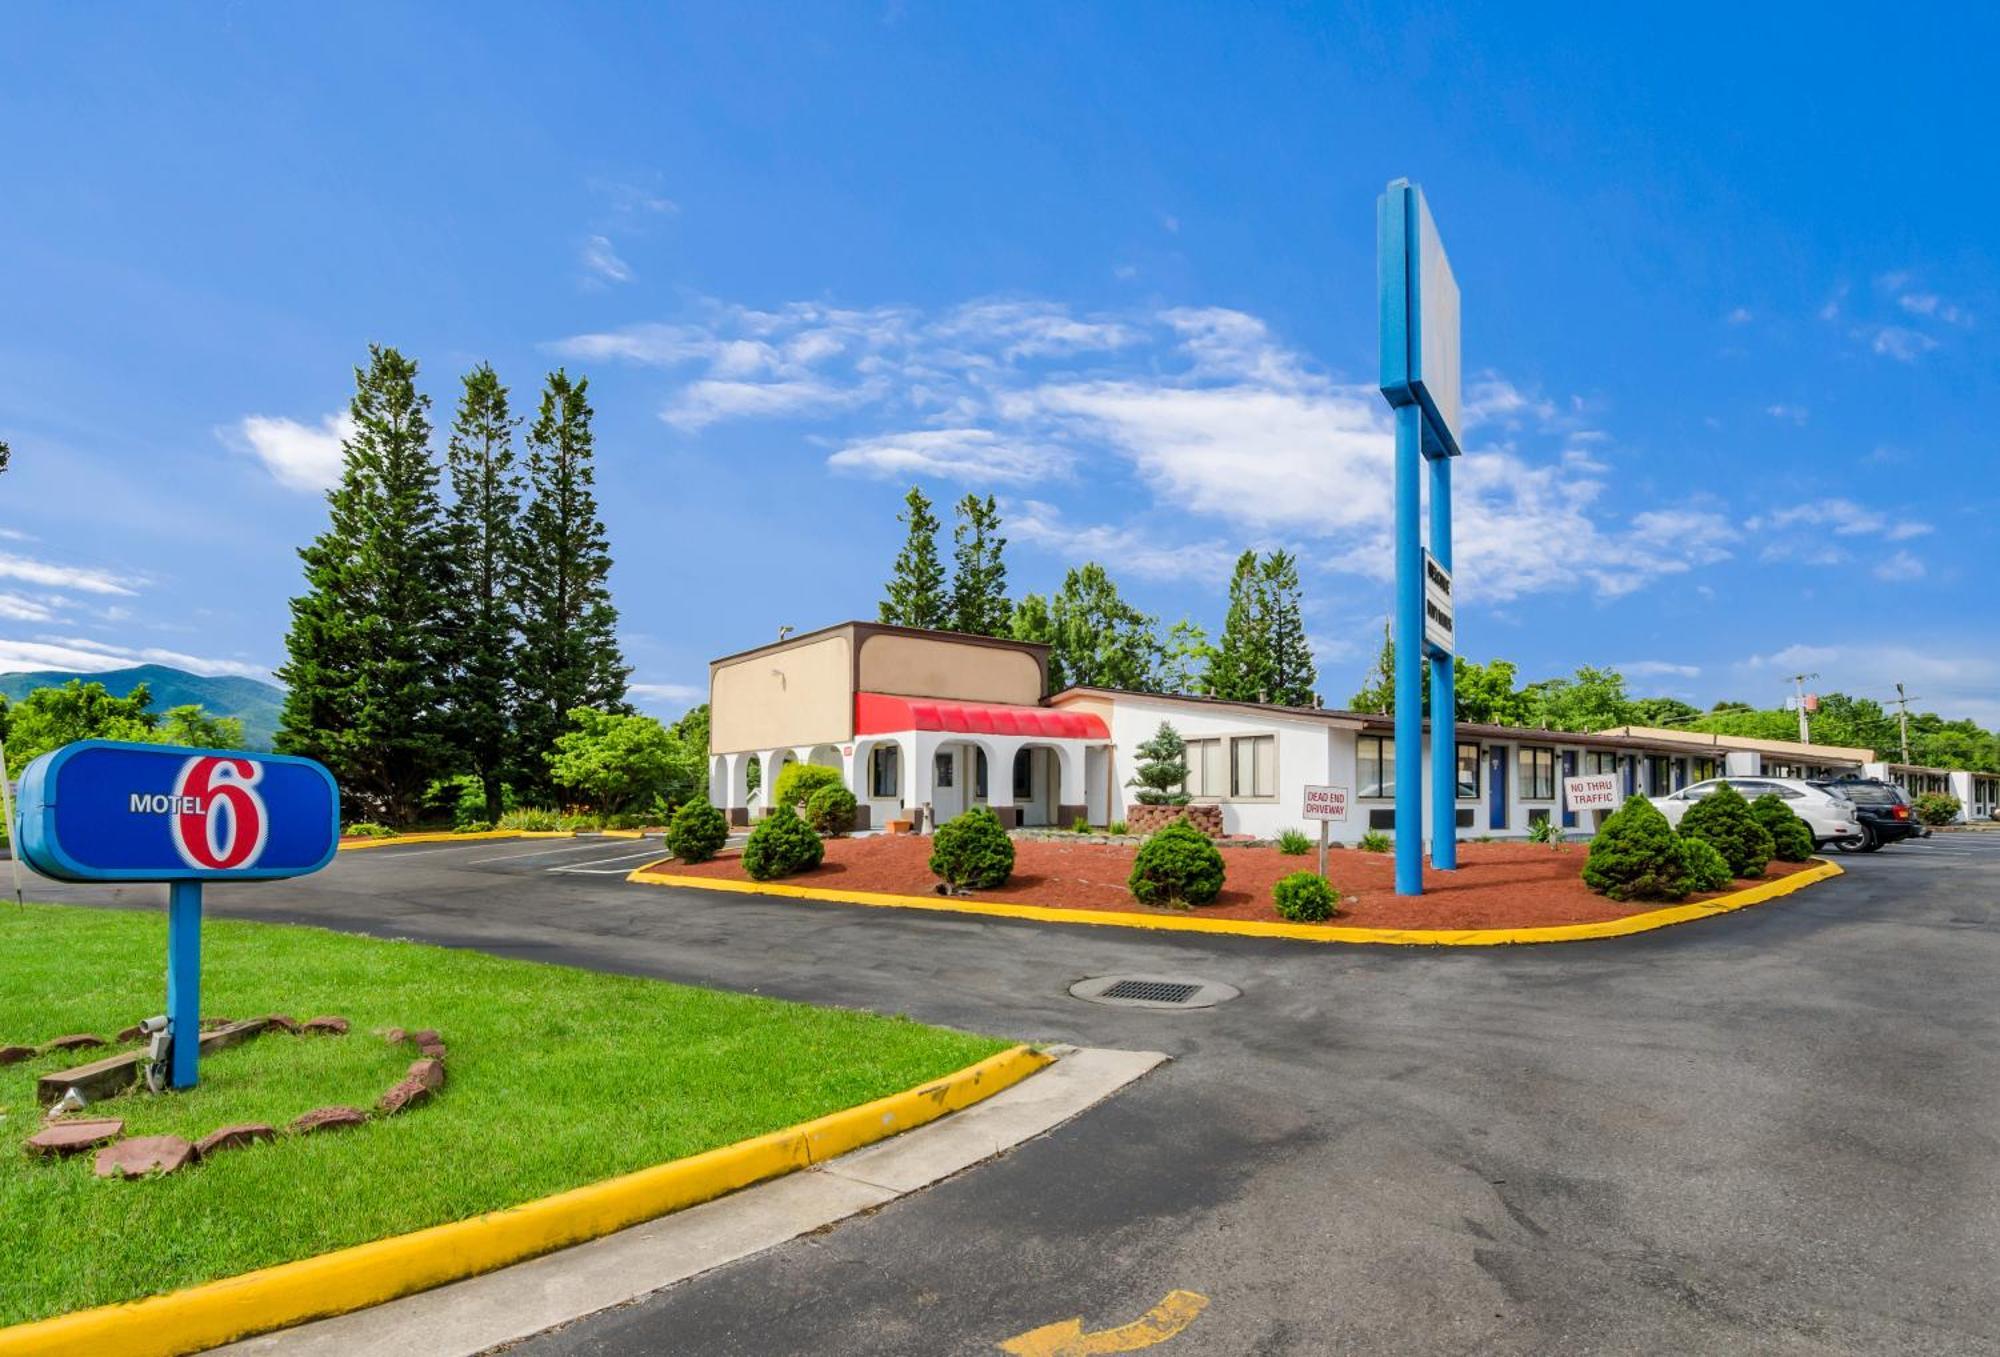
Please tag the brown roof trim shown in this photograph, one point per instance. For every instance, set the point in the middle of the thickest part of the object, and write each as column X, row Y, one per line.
column 1346, row 719
column 861, row 631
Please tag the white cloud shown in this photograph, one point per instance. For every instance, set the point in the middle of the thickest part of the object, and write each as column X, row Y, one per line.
column 1901, row 567
column 1957, row 676
column 667, row 692
column 1903, row 345
column 89, row 656
column 973, row 456
column 83, row 578
column 602, row 261
column 1740, row 316
column 300, row 457
column 1657, row 669
column 706, row 402
column 1795, row 414
column 1838, row 515
column 21, row 608
column 1492, row 399
column 1124, row 549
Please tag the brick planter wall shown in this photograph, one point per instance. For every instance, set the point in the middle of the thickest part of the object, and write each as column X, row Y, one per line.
column 1146, row 819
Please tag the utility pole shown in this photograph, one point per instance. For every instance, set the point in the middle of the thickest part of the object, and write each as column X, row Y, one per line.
column 1903, row 720
column 1799, row 696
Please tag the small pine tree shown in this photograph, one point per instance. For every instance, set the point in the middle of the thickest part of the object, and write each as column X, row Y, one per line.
column 1162, row 773
column 1723, row 818
column 916, row 595
column 1240, row 668
column 1293, row 675
column 366, row 655
column 1791, row 837
column 1636, row 855
column 569, row 655
column 979, row 603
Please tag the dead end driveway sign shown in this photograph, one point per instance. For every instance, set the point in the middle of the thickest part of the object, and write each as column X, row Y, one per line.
column 1325, row 804
column 101, row 810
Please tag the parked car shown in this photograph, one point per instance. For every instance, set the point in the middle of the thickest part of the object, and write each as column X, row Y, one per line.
column 1832, row 818
column 1885, row 810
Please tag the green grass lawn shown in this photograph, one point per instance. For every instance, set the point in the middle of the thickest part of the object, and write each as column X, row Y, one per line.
column 558, row 1078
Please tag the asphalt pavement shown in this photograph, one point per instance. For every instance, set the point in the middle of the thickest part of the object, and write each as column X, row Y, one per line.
column 1770, row 1132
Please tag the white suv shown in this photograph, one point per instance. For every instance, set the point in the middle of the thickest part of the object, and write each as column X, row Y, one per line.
column 1830, row 817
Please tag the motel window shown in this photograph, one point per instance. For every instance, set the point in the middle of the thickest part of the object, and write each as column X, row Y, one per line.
column 1204, row 765
column 946, row 769
column 1659, row 774
column 1024, row 775
column 1538, row 815
column 979, row 774
column 1468, row 772
column 1704, row 769
column 1538, row 774
column 1253, row 767
column 1597, row 762
column 882, row 779
column 1374, row 765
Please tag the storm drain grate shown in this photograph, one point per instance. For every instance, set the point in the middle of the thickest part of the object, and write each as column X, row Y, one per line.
column 1152, row 991
column 1181, row 992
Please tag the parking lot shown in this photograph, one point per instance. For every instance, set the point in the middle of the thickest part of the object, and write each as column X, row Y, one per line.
column 1770, row 1132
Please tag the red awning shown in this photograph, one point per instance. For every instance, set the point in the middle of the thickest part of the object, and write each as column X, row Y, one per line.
column 881, row 714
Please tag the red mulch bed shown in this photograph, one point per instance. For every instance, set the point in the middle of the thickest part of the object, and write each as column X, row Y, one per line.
column 1498, row 885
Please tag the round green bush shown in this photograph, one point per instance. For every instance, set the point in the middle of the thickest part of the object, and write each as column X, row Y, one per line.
column 697, row 832
column 1177, row 865
column 781, row 845
column 1305, row 898
column 1791, row 837
column 1938, row 808
column 973, row 851
column 1723, row 818
column 1635, row 855
column 1706, row 870
column 798, row 781
column 830, row 810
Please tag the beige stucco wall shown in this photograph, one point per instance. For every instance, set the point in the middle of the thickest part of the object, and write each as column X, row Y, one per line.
column 798, row 695
column 918, row 666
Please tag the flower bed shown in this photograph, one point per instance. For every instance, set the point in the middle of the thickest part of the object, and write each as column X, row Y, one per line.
column 1499, row 885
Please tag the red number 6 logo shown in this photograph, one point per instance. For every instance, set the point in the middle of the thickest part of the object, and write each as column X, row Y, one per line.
column 229, row 829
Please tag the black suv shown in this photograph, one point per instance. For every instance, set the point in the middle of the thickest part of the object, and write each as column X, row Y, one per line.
column 1883, row 809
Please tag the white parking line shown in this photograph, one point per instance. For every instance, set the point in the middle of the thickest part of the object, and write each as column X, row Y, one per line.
column 595, row 845
column 595, row 870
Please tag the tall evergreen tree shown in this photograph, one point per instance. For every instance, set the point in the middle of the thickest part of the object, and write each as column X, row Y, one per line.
column 365, row 653
column 569, row 655
column 1240, row 668
column 1293, row 674
column 481, row 613
column 979, row 602
column 916, row 593
column 1096, row 639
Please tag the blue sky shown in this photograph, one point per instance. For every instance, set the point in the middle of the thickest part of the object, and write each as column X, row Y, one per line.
column 1730, row 305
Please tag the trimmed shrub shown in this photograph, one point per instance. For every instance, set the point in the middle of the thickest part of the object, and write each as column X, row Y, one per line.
column 1162, row 773
column 798, row 781
column 472, row 827
column 973, row 851
column 368, row 829
column 1723, row 818
column 781, row 845
column 1177, row 865
column 1938, row 808
column 1293, row 843
column 1305, row 898
column 1636, row 855
column 697, row 832
column 1706, row 870
column 1375, row 841
column 830, row 810
column 1791, row 837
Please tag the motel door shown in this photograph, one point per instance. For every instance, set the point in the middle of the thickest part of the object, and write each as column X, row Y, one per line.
column 1496, row 787
column 1569, row 770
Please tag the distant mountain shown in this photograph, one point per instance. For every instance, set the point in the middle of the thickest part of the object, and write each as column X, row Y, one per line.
column 251, row 701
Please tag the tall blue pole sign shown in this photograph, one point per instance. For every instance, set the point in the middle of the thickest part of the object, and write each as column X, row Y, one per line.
column 1419, row 300
column 99, row 810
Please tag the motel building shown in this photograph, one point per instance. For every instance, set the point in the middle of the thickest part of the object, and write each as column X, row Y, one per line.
column 924, row 725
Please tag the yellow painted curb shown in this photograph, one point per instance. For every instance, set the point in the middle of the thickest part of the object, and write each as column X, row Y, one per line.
column 368, row 1274
column 1257, row 928
column 446, row 837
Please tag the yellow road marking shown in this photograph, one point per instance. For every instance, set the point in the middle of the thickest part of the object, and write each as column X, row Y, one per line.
column 1067, row 1338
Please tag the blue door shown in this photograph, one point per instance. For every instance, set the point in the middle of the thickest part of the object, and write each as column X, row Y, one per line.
column 1631, row 775
column 1496, row 789
column 1569, row 770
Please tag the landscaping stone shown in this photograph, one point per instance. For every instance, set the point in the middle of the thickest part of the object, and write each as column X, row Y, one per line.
column 132, row 1033
column 141, row 1155
column 14, row 1055
column 428, row 1072
column 328, row 1026
column 210, row 1024
column 68, row 1135
column 1146, row 819
column 433, row 1050
column 426, row 1037
column 233, row 1138
column 403, row 1093
column 328, row 1119
column 282, row 1020
column 76, row 1041
column 395, row 1036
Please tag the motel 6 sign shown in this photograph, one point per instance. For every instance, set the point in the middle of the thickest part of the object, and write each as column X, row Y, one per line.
column 100, row 810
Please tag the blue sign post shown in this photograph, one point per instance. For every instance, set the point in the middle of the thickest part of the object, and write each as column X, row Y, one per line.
column 99, row 810
column 1420, row 379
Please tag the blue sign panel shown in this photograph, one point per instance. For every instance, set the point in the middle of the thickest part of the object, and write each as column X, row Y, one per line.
column 99, row 810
